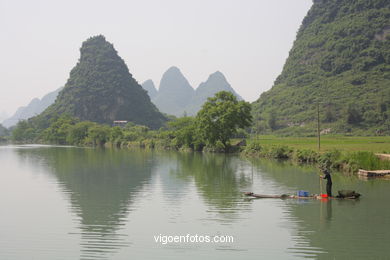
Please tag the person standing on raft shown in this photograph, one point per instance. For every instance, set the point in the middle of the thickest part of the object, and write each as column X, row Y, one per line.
column 327, row 177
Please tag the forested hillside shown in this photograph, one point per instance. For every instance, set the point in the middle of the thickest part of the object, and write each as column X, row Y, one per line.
column 101, row 89
column 340, row 60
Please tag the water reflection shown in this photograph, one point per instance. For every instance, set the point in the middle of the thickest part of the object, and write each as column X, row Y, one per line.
column 101, row 184
column 217, row 177
column 116, row 195
column 334, row 229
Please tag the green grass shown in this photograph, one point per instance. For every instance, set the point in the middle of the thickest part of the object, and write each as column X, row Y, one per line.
column 377, row 144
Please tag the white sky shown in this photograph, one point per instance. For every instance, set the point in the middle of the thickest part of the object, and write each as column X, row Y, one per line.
column 247, row 40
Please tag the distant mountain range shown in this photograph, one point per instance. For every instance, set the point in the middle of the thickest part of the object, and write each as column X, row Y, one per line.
column 176, row 96
column 35, row 107
column 174, row 92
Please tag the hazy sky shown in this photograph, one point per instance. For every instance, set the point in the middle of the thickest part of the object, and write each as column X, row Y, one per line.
column 247, row 40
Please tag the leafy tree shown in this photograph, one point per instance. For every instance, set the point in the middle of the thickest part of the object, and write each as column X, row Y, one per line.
column 58, row 131
column 184, row 130
column 98, row 134
column 271, row 120
column 116, row 133
column 79, row 132
column 221, row 116
column 329, row 114
column 23, row 132
column 372, row 117
column 354, row 115
column 3, row 131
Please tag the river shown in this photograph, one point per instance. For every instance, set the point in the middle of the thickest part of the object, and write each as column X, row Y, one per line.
column 84, row 203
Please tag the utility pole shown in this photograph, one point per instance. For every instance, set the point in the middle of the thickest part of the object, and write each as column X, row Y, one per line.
column 318, row 126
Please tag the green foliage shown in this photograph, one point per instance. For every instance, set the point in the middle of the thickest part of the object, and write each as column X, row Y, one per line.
column 225, row 115
column 78, row 133
column 116, row 134
column 3, row 131
column 354, row 115
column 306, row 156
column 271, row 120
column 98, row 135
column 367, row 161
column 57, row 132
column 347, row 161
column 341, row 55
column 329, row 116
column 221, row 116
column 24, row 132
column 255, row 147
column 329, row 159
column 184, row 132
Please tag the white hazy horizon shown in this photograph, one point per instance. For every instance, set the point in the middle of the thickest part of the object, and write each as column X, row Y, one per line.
column 248, row 41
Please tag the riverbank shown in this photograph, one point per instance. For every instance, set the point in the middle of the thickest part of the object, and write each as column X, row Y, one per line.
column 348, row 160
column 345, row 161
column 342, row 153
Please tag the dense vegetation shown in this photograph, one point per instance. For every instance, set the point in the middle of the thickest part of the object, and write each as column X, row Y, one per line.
column 101, row 89
column 341, row 60
column 377, row 144
column 220, row 119
column 346, row 161
column 4, row 133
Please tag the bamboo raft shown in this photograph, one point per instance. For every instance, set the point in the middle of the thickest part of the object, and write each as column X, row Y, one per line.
column 377, row 173
column 283, row 196
column 287, row 196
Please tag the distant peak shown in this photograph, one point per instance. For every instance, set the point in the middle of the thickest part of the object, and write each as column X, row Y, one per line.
column 217, row 75
column 97, row 46
column 98, row 40
column 99, row 37
column 174, row 70
column 149, row 86
column 148, row 82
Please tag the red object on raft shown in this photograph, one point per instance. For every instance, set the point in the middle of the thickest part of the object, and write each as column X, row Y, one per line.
column 324, row 195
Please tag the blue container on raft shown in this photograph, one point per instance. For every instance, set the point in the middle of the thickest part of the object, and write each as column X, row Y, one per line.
column 303, row 193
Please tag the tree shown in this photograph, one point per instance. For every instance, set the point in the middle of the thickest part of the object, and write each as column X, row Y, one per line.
column 23, row 132
column 184, row 130
column 79, row 132
column 58, row 131
column 271, row 120
column 98, row 134
column 372, row 117
column 221, row 116
column 116, row 133
column 329, row 114
column 354, row 115
column 3, row 131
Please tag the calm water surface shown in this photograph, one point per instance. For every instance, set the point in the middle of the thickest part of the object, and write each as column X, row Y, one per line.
column 77, row 203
